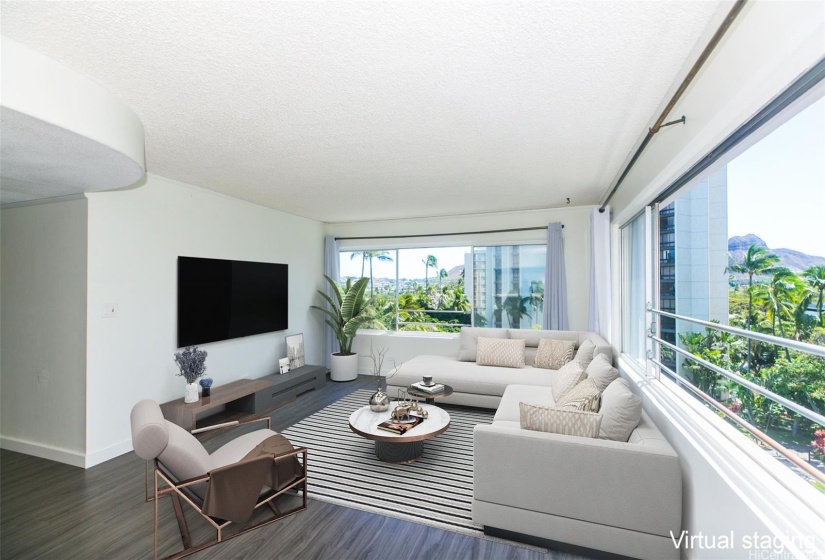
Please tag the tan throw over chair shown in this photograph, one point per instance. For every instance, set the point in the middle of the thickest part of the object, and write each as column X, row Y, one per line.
column 227, row 487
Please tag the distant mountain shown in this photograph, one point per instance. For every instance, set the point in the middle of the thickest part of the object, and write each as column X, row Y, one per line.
column 795, row 260
column 455, row 272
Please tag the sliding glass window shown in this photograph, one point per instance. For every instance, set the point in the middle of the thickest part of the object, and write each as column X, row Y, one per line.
column 441, row 289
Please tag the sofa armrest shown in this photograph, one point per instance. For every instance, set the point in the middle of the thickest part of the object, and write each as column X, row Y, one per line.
column 627, row 485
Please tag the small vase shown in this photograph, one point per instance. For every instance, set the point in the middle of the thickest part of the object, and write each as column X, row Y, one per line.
column 379, row 401
column 191, row 394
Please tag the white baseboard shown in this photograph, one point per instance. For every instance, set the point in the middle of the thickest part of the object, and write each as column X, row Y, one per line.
column 66, row 456
column 59, row 454
column 110, row 452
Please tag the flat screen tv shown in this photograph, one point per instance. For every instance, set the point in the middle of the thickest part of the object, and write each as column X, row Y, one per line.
column 220, row 299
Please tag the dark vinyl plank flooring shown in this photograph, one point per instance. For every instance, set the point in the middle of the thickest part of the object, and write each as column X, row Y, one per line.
column 54, row 511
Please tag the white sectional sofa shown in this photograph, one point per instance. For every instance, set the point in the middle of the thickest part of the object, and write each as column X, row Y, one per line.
column 622, row 497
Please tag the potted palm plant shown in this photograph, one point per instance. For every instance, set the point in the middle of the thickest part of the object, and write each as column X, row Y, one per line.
column 347, row 310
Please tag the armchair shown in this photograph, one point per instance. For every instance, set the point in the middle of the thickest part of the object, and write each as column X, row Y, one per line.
column 227, row 487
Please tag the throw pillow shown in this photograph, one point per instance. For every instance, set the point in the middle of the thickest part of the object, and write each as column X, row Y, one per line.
column 501, row 352
column 468, row 341
column 568, row 376
column 602, row 372
column 584, row 396
column 553, row 354
column 621, row 411
column 585, row 354
column 559, row 421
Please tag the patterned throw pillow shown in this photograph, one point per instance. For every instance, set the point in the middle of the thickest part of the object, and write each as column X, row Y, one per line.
column 584, row 396
column 553, row 354
column 502, row 352
column 568, row 376
column 585, row 353
column 559, row 420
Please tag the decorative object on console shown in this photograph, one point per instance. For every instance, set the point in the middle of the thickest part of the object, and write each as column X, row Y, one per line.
column 283, row 365
column 295, row 351
column 206, row 386
column 346, row 313
column 192, row 365
column 502, row 352
column 553, row 354
column 427, row 380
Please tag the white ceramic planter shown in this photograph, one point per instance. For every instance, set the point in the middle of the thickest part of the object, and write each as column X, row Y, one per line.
column 344, row 368
column 191, row 395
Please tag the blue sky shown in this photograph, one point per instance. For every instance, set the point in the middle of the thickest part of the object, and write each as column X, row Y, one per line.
column 776, row 189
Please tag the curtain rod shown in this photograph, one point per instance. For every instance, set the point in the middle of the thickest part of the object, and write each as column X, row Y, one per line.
column 441, row 234
column 694, row 70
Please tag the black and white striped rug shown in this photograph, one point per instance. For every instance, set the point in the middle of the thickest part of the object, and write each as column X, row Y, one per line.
column 435, row 490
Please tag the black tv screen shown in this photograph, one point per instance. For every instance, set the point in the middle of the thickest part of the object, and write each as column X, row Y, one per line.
column 219, row 299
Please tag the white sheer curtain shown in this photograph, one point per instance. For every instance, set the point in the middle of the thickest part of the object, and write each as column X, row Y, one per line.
column 633, row 288
column 555, row 283
column 598, row 319
column 332, row 264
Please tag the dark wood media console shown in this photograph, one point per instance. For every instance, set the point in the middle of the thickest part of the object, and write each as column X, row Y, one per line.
column 245, row 399
column 288, row 386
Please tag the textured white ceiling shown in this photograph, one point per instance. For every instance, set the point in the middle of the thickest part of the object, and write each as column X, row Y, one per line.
column 344, row 111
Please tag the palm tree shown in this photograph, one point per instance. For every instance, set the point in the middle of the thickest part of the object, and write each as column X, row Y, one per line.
column 363, row 255
column 756, row 261
column 429, row 262
column 815, row 276
column 383, row 256
column 779, row 294
column 441, row 275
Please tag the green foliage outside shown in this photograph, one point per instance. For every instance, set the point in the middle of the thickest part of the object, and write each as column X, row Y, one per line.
column 774, row 301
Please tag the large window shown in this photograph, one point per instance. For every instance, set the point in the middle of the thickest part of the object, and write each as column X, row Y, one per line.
column 441, row 289
column 742, row 247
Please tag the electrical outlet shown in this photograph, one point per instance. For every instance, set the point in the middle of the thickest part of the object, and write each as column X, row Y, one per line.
column 109, row 310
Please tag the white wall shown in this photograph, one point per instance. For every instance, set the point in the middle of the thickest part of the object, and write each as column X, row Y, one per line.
column 135, row 237
column 43, row 332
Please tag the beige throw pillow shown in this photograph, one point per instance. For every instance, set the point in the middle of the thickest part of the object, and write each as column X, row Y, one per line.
column 585, row 353
column 621, row 411
column 559, row 421
column 468, row 341
column 501, row 352
column 602, row 372
column 584, row 396
column 553, row 354
column 568, row 376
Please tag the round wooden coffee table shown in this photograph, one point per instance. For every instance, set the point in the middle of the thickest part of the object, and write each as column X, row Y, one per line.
column 394, row 448
column 429, row 398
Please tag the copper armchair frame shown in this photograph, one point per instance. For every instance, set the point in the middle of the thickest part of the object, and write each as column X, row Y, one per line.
column 164, row 485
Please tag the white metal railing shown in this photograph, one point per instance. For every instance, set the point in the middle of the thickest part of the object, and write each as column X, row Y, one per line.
column 770, row 339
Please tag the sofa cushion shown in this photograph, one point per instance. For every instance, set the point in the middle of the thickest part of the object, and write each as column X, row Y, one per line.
column 508, row 409
column 567, row 377
column 584, row 355
column 501, row 352
column 553, row 354
column 468, row 341
column 584, row 396
column 532, row 337
column 559, row 420
column 621, row 411
column 465, row 377
column 601, row 372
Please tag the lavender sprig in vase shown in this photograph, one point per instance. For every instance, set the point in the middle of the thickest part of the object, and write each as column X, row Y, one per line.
column 192, row 365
